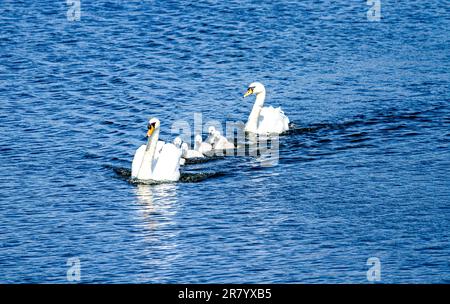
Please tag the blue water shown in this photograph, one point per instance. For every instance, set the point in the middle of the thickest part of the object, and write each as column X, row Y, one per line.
column 363, row 173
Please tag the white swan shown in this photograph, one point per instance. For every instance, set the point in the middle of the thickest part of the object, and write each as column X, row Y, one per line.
column 264, row 120
column 163, row 166
column 221, row 142
column 210, row 138
column 186, row 153
column 200, row 146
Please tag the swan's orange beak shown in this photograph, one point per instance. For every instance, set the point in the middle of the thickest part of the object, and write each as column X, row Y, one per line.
column 249, row 92
column 150, row 130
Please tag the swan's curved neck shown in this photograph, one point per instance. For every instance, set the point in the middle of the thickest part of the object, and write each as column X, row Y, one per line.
column 147, row 161
column 252, row 123
column 197, row 145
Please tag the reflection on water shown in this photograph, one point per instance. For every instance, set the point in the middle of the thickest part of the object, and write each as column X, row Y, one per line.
column 158, row 204
column 157, row 207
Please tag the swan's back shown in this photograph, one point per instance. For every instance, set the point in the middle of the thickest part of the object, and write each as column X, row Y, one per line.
column 272, row 120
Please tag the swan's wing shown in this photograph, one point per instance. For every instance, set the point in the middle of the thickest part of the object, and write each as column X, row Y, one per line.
column 137, row 160
column 167, row 166
column 272, row 120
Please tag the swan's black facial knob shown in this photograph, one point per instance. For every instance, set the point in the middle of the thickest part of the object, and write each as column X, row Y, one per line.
column 249, row 91
column 151, row 128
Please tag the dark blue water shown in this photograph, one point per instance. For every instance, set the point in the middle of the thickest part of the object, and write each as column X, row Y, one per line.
column 364, row 172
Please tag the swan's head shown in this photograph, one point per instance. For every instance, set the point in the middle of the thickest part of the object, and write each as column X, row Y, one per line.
column 255, row 88
column 198, row 138
column 184, row 147
column 152, row 125
column 216, row 134
column 211, row 130
column 177, row 141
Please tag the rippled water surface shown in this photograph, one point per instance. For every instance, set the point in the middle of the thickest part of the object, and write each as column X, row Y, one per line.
column 363, row 173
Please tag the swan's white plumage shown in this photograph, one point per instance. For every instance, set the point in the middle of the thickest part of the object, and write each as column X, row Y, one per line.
column 137, row 160
column 210, row 138
column 186, row 153
column 159, row 147
column 272, row 120
column 221, row 142
column 200, row 146
column 157, row 160
column 264, row 120
column 167, row 165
